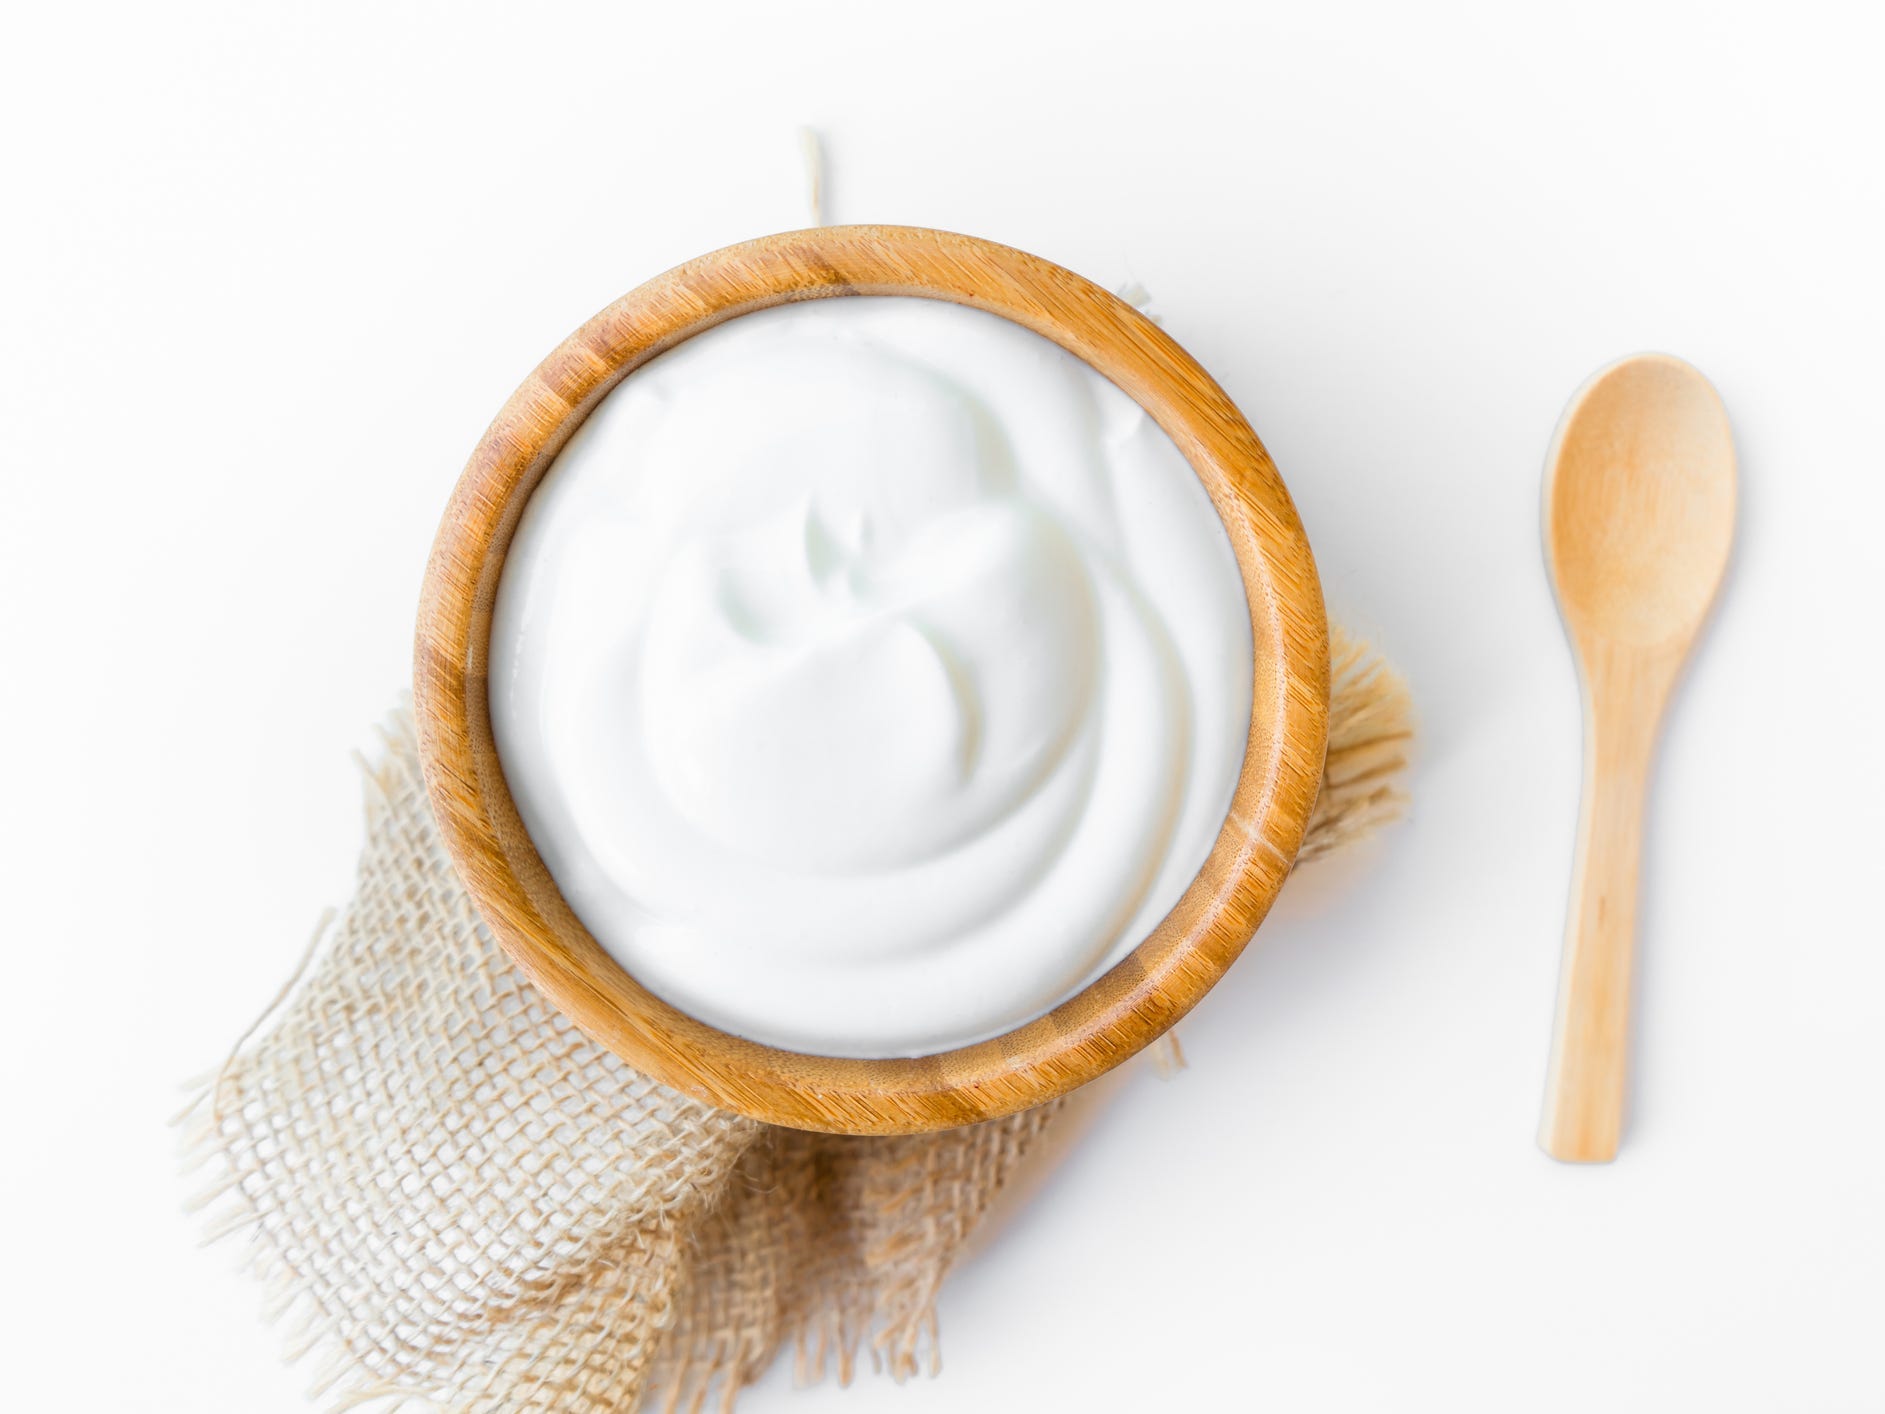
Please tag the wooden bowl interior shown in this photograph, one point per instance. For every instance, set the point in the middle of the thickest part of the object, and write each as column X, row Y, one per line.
column 1119, row 1012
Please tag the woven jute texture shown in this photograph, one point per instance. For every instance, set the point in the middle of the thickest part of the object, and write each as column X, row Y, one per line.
column 458, row 1201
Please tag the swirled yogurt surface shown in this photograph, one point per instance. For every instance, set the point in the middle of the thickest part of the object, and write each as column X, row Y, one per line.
column 870, row 674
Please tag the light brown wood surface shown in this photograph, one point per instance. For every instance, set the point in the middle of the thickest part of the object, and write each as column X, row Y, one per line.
column 1120, row 1012
column 1639, row 516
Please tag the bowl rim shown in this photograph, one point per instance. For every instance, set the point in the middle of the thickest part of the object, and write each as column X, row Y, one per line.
column 1116, row 1014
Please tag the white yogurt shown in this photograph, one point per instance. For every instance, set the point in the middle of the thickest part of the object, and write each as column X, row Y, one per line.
column 871, row 674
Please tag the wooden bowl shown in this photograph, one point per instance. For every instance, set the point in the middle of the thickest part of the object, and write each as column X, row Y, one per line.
column 1117, row 1014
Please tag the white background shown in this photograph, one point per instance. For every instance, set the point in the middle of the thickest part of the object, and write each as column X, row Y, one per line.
column 270, row 269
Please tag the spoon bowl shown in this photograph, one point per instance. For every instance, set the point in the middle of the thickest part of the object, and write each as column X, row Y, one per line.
column 1640, row 502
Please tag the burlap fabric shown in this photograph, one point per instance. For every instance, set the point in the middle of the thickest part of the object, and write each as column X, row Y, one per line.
column 455, row 1199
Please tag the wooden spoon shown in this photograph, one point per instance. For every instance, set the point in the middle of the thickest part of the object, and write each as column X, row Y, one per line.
column 1639, row 513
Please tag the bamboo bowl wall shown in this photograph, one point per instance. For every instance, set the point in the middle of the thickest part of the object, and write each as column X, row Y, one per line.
column 1118, row 1013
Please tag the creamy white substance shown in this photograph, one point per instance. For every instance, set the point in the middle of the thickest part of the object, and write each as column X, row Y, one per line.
column 871, row 674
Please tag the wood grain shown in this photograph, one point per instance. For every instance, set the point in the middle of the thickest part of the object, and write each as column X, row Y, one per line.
column 1120, row 1012
column 1639, row 515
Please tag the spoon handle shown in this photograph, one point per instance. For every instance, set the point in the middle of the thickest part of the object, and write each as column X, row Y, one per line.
column 1583, row 1114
